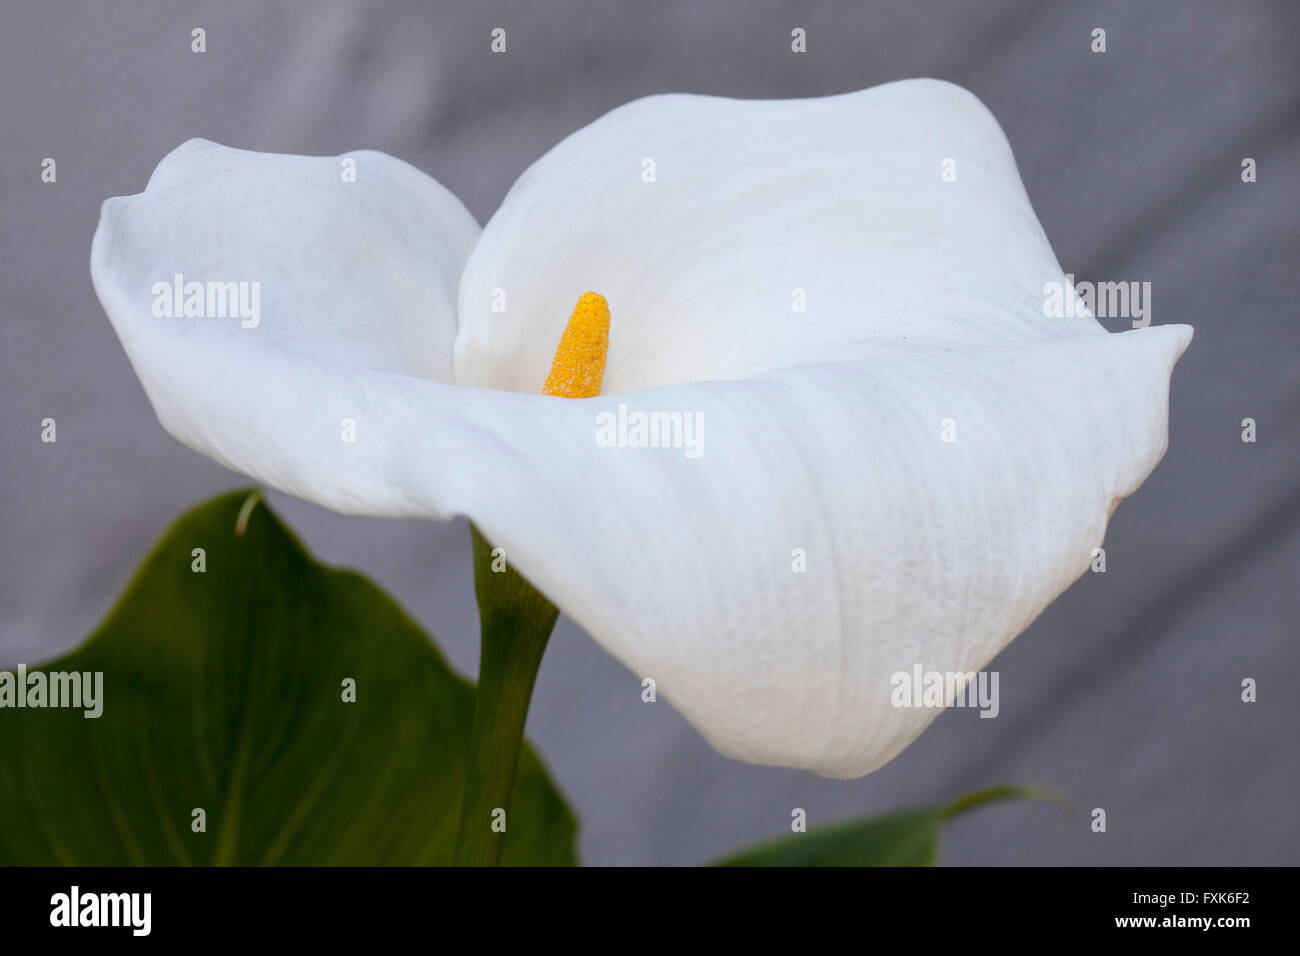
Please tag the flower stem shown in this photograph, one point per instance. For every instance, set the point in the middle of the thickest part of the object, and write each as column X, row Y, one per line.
column 515, row 622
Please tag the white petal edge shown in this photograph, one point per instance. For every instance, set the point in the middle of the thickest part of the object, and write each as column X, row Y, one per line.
column 840, row 206
column 354, row 260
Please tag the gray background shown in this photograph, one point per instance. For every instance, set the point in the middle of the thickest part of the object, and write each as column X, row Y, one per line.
column 1125, row 693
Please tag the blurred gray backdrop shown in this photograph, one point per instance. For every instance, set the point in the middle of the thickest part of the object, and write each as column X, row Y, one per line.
column 1125, row 694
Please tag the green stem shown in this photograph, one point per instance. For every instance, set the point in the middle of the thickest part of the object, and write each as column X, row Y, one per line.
column 515, row 622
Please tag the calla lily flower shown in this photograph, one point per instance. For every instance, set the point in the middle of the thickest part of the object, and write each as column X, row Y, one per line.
column 896, row 457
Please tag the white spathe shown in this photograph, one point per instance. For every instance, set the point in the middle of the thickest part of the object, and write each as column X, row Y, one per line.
column 823, row 430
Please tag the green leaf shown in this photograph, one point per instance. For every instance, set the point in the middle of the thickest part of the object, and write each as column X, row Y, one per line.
column 904, row 838
column 223, row 690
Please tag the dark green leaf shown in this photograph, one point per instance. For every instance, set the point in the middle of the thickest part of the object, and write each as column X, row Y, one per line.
column 223, row 690
column 904, row 838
